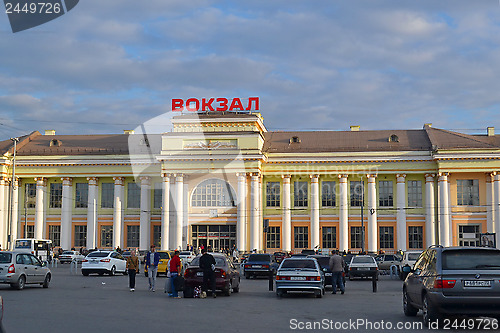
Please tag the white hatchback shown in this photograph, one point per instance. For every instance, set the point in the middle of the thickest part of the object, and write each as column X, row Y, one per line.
column 101, row 262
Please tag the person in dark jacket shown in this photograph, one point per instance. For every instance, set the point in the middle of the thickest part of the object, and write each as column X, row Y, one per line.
column 207, row 264
column 151, row 262
column 336, row 265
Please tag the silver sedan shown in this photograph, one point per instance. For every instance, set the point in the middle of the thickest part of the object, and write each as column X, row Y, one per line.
column 21, row 268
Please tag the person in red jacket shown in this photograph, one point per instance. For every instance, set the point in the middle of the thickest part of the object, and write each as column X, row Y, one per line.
column 175, row 269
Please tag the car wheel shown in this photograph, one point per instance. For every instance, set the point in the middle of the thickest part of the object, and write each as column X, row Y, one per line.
column 112, row 271
column 318, row 293
column 236, row 289
column 247, row 276
column 279, row 294
column 85, row 273
column 46, row 281
column 409, row 310
column 429, row 311
column 21, row 283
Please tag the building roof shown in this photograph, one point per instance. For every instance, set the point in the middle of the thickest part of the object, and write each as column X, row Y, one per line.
column 444, row 139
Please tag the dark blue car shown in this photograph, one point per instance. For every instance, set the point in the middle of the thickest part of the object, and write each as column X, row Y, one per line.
column 260, row 264
column 324, row 262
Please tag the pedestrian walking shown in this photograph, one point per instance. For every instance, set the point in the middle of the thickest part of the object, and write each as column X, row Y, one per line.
column 151, row 263
column 207, row 264
column 337, row 267
column 175, row 269
column 133, row 269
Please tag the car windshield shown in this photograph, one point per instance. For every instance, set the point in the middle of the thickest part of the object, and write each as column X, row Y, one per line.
column 413, row 256
column 126, row 253
column 324, row 262
column 98, row 254
column 5, row 258
column 259, row 257
column 362, row 260
column 471, row 259
column 291, row 263
column 219, row 261
column 164, row 255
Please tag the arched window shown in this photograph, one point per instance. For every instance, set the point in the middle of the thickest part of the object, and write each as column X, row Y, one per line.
column 213, row 193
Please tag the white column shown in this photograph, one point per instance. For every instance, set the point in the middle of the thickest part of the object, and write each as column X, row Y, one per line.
column 118, row 212
column 41, row 186
column 261, row 215
column 4, row 187
column 430, row 220
column 66, row 212
column 145, row 216
column 254, row 212
column 401, row 211
column 179, row 210
column 241, row 230
column 343, row 215
column 92, row 213
column 490, row 204
column 315, row 230
column 444, row 210
column 496, row 191
column 372, row 214
column 287, row 215
column 14, row 227
column 165, row 213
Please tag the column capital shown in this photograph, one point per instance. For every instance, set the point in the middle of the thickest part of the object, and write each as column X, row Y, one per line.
column 286, row 176
column 314, row 178
column 145, row 180
column 429, row 177
column 489, row 177
column 67, row 181
column 241, row 174
column 41, row 181
column 119, row 180
column 343, row 177
column 371, row 175
column 400, row 177
column 93, row 181
column 443, row 174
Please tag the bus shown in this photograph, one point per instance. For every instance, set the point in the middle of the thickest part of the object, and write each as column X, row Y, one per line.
column 41, row 248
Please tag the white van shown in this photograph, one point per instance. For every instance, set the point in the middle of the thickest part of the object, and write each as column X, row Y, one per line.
column 41, row 248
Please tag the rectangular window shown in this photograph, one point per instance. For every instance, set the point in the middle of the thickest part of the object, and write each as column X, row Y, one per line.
column 133, row 236
column 273, row 238
column 414, row 193
column 107, row 236
column 357, row 192
column 356, row 237
column 80, row 235
column 385, row 195
column 55, row 200
column 329, row 237
column 157, row 235
column 55, row 234
column 416, row 237
column 468, row 192
column 468, row 235
column 107, row 195
column 133, row 195
column 386, row 237
column 273, row 194
column 328, row 194
column 157, row 195
column 81, row 195
column 30, row 231
column 31, row 195
column 300, row 194
column 301, row 237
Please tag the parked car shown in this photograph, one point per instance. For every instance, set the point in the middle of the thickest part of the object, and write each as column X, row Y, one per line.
column 385, row 261
column 453, row 281
column 279, row 256
column 227, row 277
column 308, row 252
column 141, row 255
column 409, row 259
column 126, row 254
column 163, row 264
column 187, row 256
column 69, row 256
column 101, row 262
column 324, row 262
column 363, row 266
column 21, row 268
column 259, row 264
column 300, row 274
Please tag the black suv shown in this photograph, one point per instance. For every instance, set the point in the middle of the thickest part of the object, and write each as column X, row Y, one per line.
column 453, row 281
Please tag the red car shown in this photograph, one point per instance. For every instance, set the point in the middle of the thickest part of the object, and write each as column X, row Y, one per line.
column 227, row 277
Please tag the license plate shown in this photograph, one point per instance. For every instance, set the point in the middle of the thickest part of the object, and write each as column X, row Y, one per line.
column 199, row 274
column 93, row 262
column 256, row 266
column 297, row 278
column 477, row 283
column 328, row 274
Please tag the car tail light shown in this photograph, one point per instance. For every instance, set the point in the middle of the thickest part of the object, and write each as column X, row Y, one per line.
column 12, row 269
column 444, row 284
column 188, row 273
column 105, row 260
column 265, row 266
column 247, row 266
column 220, row 273
column 279, row 277
column 314, row 278
column 85, row 260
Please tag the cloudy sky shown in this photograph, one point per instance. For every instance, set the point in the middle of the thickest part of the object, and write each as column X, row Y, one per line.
column 110, row 65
